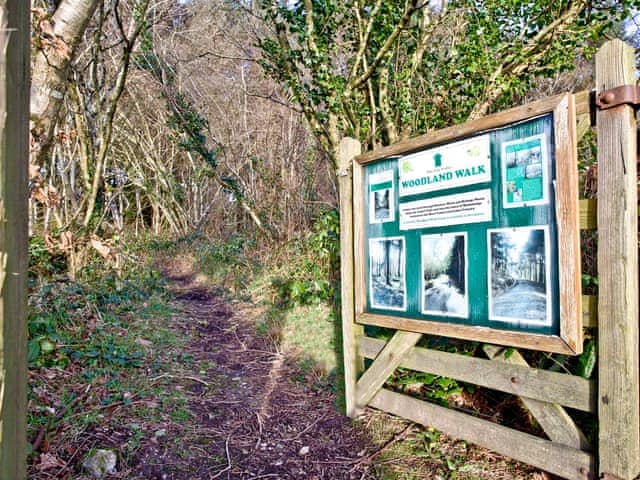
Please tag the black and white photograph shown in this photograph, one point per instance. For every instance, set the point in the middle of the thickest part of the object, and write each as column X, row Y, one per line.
column 381, row 205
column 519, row 275
column 381, row 197
column 387, row 279
column 444, row 275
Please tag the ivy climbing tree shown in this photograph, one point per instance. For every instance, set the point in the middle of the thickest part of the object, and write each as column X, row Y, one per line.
column 381, row 71
column 191, row 126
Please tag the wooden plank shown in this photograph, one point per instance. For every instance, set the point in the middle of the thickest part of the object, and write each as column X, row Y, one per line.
column 568, row 390
column 14, row 159
column 353, row 363
column 546, row 343
column 567, row 220
column 583, row 103
column 589, row 311
column 588, row 214
column 465, row 129
column 384, row 365
column 583, row 125
column 359, row 234
column 558, row 459
column 619, row 396
column 553, row 419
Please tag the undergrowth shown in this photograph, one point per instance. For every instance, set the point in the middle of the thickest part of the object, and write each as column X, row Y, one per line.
column 93, row 343
column 298, row 286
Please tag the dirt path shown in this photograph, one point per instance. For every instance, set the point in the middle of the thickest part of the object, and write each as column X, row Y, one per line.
column 253, row 419
column 193, row 392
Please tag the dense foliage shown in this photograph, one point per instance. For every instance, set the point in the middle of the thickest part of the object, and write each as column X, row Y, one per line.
column 381, row 71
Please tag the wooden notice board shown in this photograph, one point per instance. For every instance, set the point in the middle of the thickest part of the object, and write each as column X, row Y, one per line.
column 472, row 231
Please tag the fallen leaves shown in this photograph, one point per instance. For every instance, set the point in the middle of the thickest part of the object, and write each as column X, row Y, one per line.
column 48, row 461
column 46, row 38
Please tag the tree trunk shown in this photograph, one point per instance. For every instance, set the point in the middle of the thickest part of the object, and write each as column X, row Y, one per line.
column 57, row 40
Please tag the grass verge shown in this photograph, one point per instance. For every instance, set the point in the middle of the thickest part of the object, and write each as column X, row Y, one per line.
column 99, row 352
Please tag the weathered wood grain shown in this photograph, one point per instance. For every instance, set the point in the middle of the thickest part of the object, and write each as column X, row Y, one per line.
column 583, row 102
column 568, row 390
column 14, row 159
column 588, row 214
column 547, row 343
column 384, row 365
column 567, row 220
column 553, row 419
column 359, row 238
column 558, row 459
column 619, row 396
column 348, row 149
column 589, row 311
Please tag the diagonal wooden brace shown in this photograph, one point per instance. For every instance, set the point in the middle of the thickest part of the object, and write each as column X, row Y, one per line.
column 553, row 419
column 384, row 365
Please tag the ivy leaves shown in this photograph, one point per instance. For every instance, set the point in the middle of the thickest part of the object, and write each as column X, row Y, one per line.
column 382, row 70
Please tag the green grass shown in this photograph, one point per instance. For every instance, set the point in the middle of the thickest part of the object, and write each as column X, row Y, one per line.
column 309, row 331
column 93, row 343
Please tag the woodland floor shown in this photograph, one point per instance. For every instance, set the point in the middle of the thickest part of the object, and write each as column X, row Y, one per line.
column 244, row 409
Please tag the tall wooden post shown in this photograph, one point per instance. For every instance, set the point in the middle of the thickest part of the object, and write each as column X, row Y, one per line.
column 348, row 149
column 14, row 152
column 618, row 361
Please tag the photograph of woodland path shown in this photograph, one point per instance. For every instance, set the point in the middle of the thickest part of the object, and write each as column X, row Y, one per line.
column 519, row 290
column 178, row 192
column 381, row 206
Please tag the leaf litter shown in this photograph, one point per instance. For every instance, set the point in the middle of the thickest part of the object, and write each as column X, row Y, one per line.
column 215, row 400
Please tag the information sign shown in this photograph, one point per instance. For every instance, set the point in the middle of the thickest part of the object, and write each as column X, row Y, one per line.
column 468, row 244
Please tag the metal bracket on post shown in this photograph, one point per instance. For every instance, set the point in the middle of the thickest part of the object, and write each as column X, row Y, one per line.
column 623, row 95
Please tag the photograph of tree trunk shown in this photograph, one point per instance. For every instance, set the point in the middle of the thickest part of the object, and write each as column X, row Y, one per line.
column 444, row 275
column 518, row 275
column 381, row 209
column 387, row 271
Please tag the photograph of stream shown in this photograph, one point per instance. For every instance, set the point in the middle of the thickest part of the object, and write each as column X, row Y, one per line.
column 444, row 273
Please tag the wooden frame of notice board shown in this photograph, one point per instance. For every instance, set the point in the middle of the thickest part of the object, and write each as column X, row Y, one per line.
column 472, row 231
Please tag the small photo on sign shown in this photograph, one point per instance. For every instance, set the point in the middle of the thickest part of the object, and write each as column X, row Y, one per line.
column 444, row 275
column 387, row 280
column 381, row 197
column 524, row 172
column 519, row 290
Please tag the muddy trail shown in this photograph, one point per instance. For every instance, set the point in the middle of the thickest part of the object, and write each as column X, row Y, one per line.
column 215, row 399
column 254, row 415
column 257, row 414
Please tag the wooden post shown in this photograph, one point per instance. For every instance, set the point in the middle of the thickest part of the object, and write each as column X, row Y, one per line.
column 353, row 363
column 14, row 159
column 618, row 395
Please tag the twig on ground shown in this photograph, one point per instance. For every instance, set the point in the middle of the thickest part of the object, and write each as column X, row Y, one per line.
column 187, row 377
column 396, row 438
column 260, row 430
column 306, row 429
column 228, row 467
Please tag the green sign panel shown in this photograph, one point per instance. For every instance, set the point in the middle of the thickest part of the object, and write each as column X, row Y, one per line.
column 465, row 232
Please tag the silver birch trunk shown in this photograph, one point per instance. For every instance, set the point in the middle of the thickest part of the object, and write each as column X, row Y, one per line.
column 58, row 41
